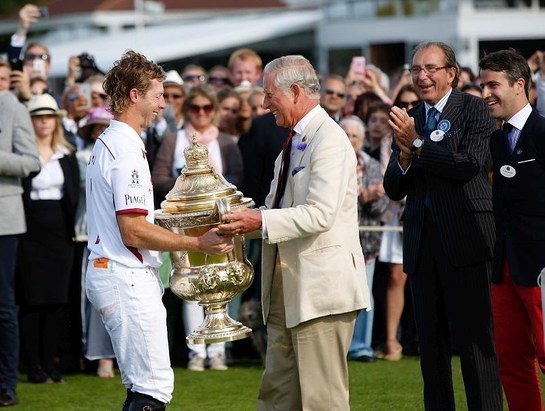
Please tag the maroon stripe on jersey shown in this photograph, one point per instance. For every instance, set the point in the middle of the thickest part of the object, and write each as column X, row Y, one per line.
column 107, row 148
column 132, row 211
column 136, row 253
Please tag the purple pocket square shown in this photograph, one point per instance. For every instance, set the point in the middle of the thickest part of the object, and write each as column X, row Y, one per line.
column 296, row 170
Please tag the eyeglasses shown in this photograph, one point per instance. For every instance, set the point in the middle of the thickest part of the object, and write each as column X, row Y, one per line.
column 428, row 69
column 174, row 96
column 334, row 93
column 191, row 77
column 406, row 104
column 196, row 109
column 32, row 57
column 218, row 80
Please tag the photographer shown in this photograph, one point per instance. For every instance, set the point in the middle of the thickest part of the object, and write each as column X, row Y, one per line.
column 83, row 65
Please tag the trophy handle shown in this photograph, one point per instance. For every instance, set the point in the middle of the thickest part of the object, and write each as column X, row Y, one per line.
column 224, row 207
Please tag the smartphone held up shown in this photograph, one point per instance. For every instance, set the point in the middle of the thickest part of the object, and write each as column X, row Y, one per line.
column 358, row 66
column 16, row 64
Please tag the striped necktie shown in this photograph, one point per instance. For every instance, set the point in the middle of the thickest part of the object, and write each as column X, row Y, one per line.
column 284, row 170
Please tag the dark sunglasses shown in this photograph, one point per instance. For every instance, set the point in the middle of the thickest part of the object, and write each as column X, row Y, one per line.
column 218, row 80
column 173, row 96
column 32, row 57
column 196, row 109
column 406, row 104
column 189, row 78
column 334, row 93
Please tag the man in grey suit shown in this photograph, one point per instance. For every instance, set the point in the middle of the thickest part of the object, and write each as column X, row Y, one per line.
column 438, row 163
column 313, row 270
column 18, row 159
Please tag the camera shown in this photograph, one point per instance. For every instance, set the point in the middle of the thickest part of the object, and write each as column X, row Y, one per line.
column 44, row 12
column 87, row 61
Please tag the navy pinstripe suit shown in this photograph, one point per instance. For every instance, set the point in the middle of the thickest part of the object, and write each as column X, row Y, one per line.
column 447, row 252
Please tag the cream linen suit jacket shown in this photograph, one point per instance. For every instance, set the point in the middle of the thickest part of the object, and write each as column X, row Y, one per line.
column 316, row 230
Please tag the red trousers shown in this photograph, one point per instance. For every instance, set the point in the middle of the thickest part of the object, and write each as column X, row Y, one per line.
column 518, row 329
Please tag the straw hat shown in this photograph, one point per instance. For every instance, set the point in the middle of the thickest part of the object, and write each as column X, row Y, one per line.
column 97, row 115
column 244, row 87
column 173, row 79
column 44, row 104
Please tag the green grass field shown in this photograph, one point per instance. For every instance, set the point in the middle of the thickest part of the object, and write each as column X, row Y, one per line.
column 378, row 386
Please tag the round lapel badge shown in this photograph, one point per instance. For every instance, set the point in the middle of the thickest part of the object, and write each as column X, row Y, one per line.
column 437, row 135
column 444, row 126
column 508, row 171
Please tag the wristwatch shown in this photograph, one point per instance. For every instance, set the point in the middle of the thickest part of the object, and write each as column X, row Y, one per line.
column 416, row 148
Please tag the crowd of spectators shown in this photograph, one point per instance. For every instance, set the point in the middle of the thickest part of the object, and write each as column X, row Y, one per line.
column 222, row 106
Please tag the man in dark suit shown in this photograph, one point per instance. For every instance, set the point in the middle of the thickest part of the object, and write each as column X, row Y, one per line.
column 518, row 155
column 438, row 163
column 259, row 148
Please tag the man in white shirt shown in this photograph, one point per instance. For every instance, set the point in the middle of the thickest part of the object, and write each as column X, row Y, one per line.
column 122, row 280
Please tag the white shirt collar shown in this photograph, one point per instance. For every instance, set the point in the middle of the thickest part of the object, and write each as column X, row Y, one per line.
column 440, row 106
column 300, row 126
column 519, row 119
column 124, row 128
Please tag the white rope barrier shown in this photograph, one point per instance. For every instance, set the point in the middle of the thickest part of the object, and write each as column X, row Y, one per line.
column 380, row 228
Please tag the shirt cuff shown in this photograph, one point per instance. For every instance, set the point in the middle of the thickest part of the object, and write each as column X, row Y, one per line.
column 17, row 40
column 403, row 172
column 264, row 234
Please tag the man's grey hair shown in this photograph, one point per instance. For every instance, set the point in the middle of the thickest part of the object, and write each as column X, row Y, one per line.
column 294, row 69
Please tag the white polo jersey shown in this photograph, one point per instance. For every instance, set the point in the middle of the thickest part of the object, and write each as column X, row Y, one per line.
column 118, row 182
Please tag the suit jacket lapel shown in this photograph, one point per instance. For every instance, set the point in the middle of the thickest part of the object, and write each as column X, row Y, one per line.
column 419, row 115
column 300, row 156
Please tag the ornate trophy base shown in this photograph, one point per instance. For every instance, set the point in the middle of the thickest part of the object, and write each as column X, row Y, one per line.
column 217, row 326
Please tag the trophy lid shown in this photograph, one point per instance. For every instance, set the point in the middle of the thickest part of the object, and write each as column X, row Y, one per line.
column 199, row 186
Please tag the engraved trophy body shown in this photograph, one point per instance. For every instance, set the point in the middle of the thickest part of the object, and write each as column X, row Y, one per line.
column 196, row 203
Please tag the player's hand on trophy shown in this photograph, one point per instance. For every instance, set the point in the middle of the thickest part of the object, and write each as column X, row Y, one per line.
column 213, row 243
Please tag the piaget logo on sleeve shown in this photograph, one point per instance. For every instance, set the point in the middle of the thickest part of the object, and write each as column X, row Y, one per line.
column 135, row 200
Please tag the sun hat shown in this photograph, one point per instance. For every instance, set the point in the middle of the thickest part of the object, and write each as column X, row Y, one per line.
column 173, row 79
column 244, row 87
column 97, row 115
column 44, row 104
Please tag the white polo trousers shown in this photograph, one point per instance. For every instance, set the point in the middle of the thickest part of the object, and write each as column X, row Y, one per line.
column 129, row 301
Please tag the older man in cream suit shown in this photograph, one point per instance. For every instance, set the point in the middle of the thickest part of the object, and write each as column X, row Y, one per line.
column 313, row 268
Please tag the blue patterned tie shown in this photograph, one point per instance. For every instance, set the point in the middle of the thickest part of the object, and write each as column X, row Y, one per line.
column 509, row 135
column 431, row 124
column 431, row 121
